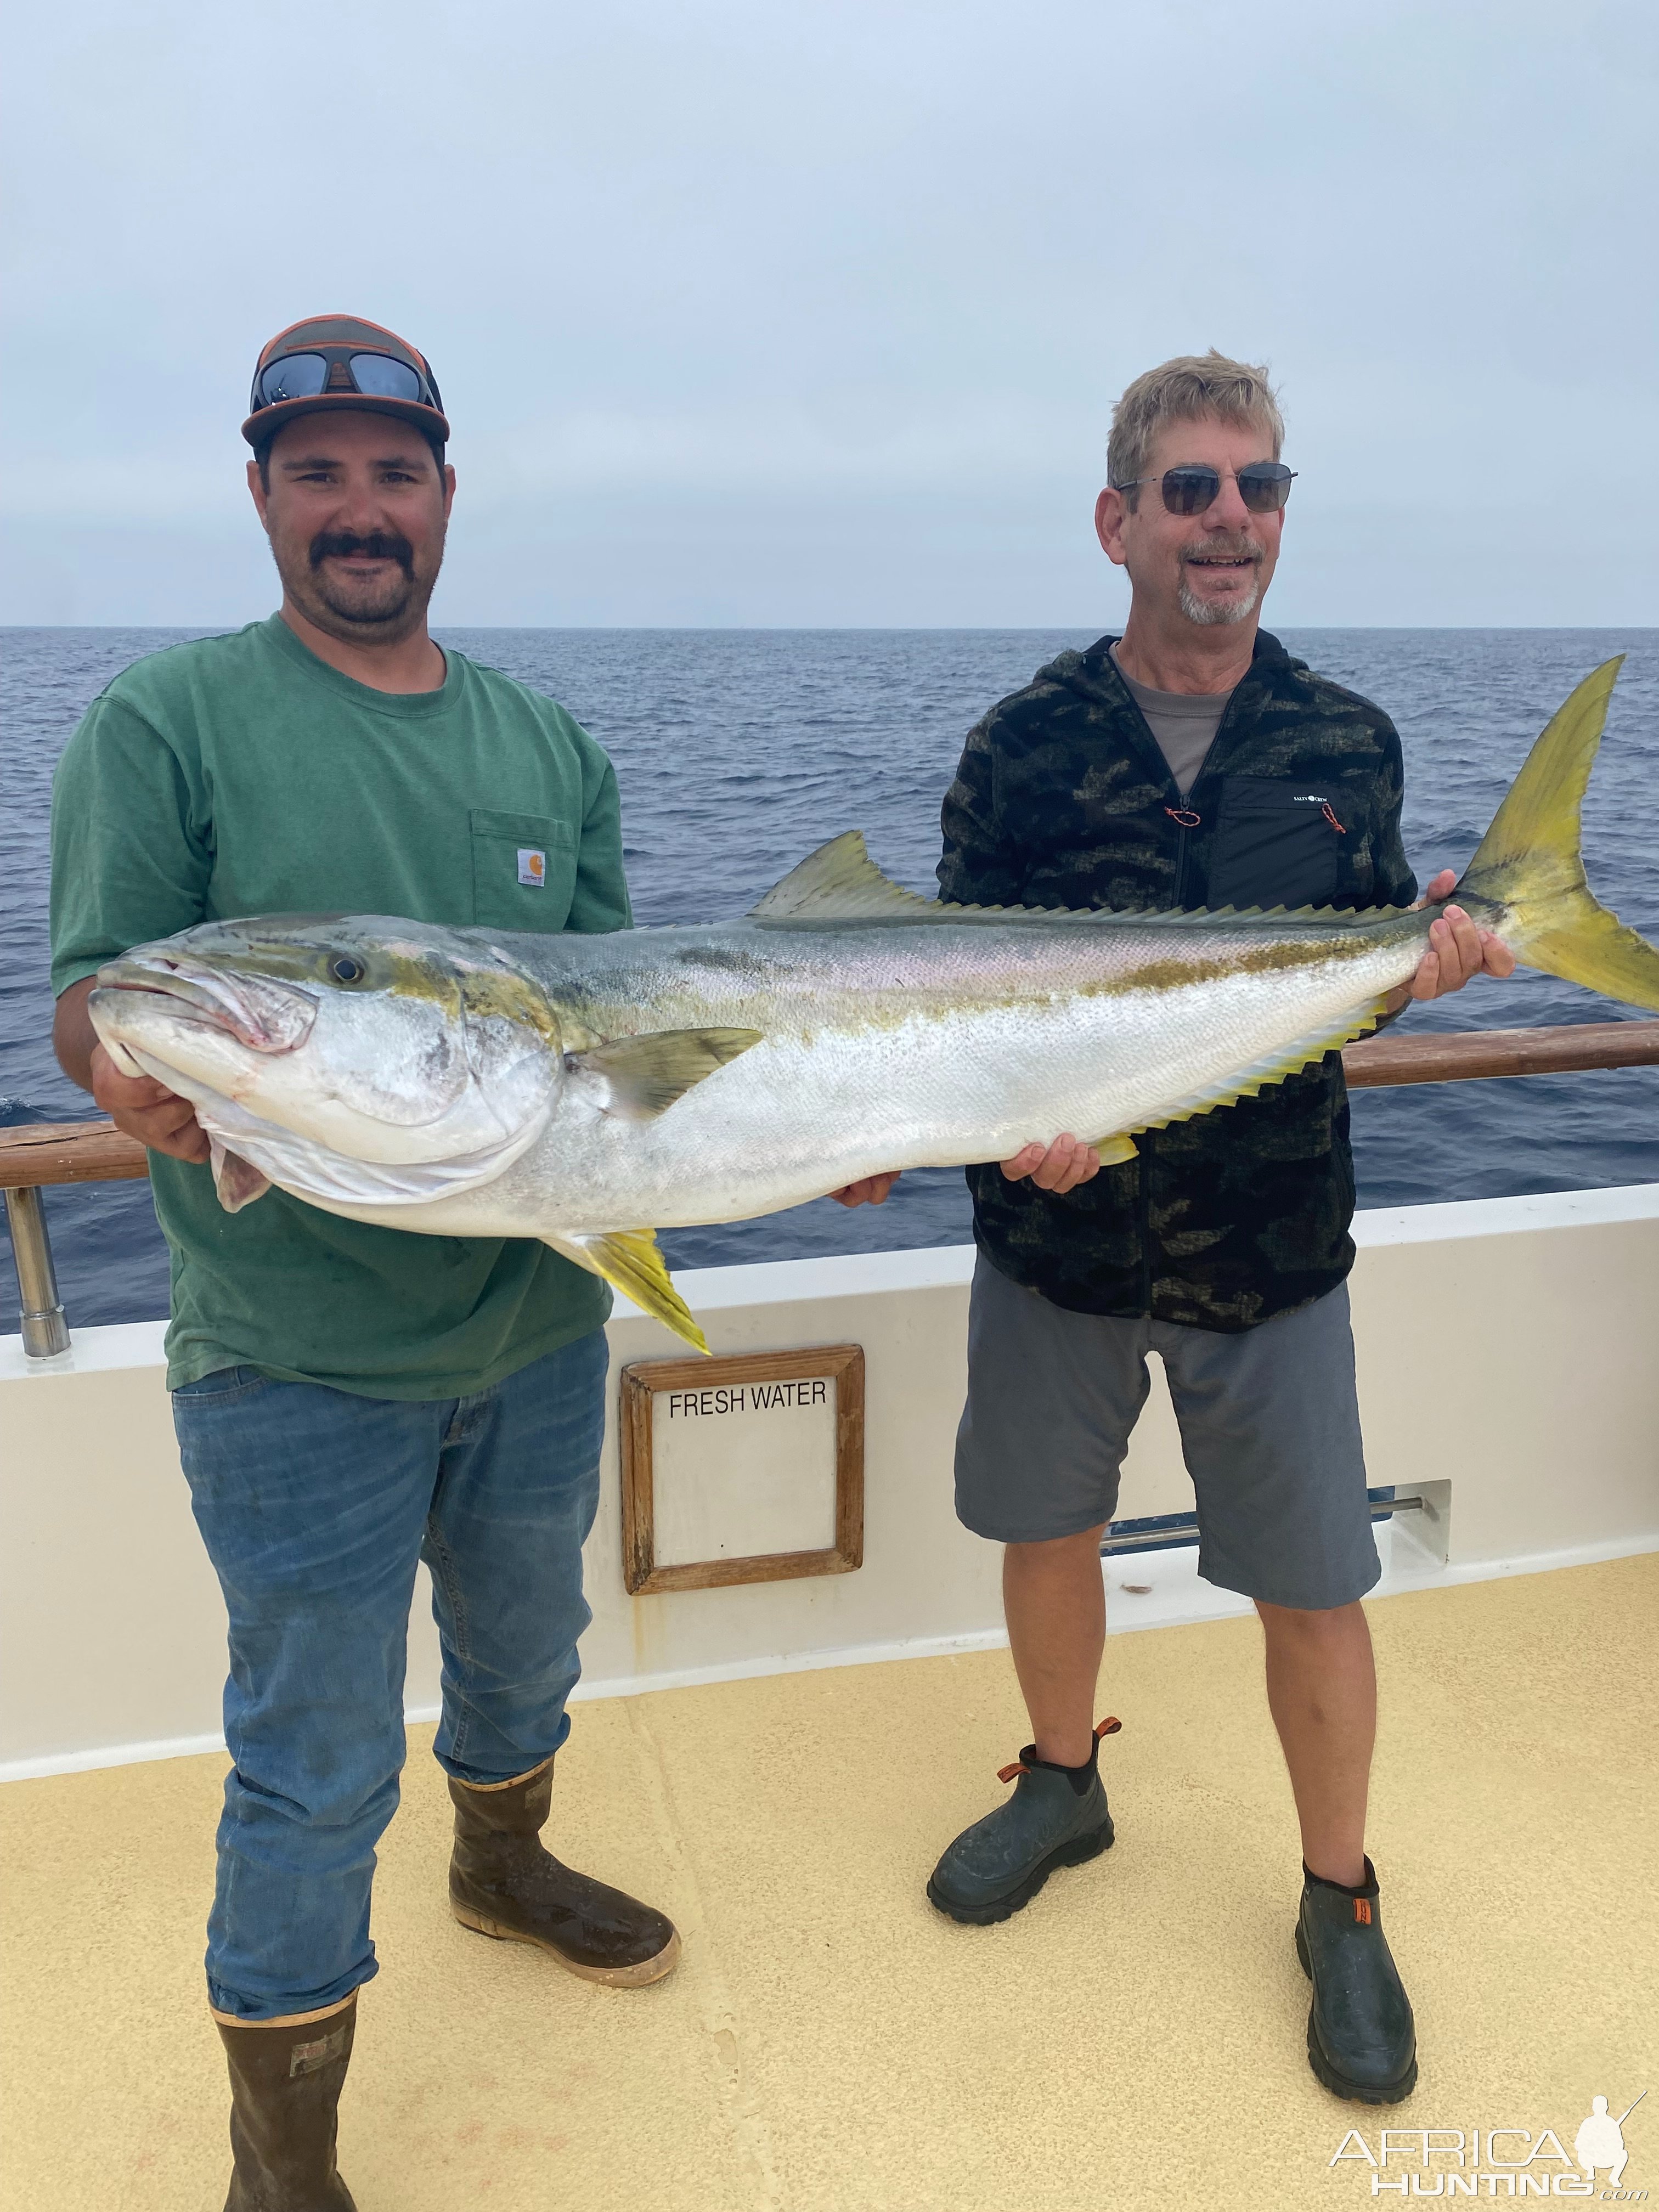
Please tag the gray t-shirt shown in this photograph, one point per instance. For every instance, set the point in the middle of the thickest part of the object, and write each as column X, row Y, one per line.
column 1183, row 722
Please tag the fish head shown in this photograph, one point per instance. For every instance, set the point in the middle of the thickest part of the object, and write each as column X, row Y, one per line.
column 381, row 1041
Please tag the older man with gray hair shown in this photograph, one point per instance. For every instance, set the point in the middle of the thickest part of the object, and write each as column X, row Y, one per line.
column 1190, row 762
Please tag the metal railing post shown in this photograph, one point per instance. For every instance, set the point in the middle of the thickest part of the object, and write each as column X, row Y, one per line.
column 45, row 1331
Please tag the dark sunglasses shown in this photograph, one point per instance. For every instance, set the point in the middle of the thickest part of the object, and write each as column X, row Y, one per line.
column 1264, row 486
column 372, row 376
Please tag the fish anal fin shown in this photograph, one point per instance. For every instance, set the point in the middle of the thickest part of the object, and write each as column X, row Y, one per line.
column 1275, row 1067
column 1114, row 1149
column 629, row 1261
column 236, row 1180
column 639, row 1077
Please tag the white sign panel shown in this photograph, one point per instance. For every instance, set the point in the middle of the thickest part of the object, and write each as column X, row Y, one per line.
column 744, row 1469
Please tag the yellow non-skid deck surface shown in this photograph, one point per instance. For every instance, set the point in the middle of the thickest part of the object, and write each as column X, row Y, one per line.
column 1134, row 2038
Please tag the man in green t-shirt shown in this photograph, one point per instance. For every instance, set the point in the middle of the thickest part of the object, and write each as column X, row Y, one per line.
column 350, row 1400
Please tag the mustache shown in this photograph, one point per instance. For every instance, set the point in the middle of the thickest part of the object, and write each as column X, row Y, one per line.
column 1221, row 547
column 378, row 545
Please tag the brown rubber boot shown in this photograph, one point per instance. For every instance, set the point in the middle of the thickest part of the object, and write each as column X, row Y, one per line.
column 502, row 1883
column 285, row 2082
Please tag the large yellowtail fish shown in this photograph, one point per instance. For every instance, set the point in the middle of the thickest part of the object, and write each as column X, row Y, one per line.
column 588, row 1091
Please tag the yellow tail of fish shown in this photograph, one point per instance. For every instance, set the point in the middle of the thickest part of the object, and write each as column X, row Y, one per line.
column 1528, row 867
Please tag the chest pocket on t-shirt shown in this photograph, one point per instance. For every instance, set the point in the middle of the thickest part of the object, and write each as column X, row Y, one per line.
column 1275, row 844
column 524, row 870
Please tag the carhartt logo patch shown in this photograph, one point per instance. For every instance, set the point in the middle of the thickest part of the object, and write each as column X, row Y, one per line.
column 1362, row 1911
column 533, row 867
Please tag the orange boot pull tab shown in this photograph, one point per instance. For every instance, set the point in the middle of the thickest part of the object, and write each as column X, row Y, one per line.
column 1109, row 1726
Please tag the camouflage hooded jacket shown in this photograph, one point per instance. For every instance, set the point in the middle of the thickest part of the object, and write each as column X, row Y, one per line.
column 1063, row 798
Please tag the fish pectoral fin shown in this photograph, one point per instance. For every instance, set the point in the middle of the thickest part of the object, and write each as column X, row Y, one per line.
column 236, row 1180
column 638, row 1078
column 629, row 1261
column 1114, row 1148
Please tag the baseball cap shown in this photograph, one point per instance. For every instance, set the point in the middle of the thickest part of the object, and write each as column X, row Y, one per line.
column 332, row 361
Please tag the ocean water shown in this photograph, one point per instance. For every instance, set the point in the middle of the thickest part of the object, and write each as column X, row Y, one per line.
column 739, row 751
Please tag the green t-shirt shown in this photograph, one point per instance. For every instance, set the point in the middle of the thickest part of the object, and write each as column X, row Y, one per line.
column 242, row 775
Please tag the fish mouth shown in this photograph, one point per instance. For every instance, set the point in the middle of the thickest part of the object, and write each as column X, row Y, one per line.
column 260, row 1014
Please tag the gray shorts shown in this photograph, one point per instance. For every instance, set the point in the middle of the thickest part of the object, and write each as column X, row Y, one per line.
column 1269, row 1428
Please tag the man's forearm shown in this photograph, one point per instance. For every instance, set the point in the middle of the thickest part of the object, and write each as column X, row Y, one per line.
column 73, row 1035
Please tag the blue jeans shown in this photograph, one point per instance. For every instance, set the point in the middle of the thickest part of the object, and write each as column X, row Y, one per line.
column 315, row 1505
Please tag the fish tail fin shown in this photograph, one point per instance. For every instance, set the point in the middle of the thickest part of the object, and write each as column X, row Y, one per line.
column 1527, row 878
column 629, row 1261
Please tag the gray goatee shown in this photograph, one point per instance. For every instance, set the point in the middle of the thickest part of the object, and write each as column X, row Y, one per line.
column 1209, row 614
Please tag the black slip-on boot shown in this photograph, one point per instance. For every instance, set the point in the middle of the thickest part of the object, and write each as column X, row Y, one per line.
column 1362, row 2040
column 502, row 1883
column 1056, row 1817
column 285, row 2082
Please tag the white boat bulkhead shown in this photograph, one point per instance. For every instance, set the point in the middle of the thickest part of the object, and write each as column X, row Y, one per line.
column 1527, row 1436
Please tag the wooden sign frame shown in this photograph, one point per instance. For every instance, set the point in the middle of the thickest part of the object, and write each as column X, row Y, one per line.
column 841, row 1363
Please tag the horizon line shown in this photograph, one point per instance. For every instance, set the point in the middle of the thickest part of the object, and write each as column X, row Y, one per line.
column 873, row 630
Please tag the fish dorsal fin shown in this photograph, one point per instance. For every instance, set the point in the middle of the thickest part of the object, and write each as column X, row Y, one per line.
column 841, row 882
column 838, row 882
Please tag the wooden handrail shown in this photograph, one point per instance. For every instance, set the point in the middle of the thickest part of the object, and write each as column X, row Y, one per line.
column 69, row 1151
column 1466, row 1055
column 97, row 1152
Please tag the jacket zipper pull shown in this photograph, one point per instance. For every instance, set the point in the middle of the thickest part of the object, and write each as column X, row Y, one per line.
column 1188, row 820
column 1330, row 813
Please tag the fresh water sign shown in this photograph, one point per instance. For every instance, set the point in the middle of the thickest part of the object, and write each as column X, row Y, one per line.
column 748, row 1467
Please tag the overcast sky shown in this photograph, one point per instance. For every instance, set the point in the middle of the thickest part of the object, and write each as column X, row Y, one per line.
column 747, row 312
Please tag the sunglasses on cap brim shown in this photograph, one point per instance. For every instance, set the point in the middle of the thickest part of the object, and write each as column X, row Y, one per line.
column 1264, row 486
column 344, row 370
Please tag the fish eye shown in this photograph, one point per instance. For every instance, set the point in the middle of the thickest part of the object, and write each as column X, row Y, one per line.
column 344, row 969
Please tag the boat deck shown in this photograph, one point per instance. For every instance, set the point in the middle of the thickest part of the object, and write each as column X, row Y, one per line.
column 830, row 2043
